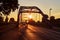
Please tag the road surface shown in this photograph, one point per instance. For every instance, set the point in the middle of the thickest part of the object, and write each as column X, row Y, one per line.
column 31, row 33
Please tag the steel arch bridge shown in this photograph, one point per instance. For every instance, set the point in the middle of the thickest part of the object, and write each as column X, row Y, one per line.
column 29, row 9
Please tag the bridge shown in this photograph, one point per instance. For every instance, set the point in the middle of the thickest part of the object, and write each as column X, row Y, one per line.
column 28, row 9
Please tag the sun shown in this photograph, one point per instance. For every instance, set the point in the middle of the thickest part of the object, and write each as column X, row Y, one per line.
column 30, row 17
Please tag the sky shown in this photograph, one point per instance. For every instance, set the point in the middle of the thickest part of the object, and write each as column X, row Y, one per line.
column 44, row 5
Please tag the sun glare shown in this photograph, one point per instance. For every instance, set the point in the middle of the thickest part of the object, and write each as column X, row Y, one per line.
column 30, row 16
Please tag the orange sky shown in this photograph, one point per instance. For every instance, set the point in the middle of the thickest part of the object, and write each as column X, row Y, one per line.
column 44, row 5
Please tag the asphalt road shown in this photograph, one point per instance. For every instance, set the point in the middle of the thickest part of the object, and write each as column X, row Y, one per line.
column 31, row 33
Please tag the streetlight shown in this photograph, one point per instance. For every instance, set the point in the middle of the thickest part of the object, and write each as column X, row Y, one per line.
column 50, row 12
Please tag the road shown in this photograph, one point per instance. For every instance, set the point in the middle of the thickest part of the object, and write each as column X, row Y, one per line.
column 31, row 33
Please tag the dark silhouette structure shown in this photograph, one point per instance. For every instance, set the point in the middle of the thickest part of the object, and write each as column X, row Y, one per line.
column 28, row 9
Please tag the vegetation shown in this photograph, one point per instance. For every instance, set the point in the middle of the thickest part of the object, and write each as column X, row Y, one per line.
column 6, row 6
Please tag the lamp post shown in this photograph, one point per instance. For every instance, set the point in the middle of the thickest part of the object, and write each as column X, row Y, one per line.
column 50, row 12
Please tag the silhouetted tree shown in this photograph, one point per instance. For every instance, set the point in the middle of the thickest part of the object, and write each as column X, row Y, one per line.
column 7, row 5
column 1, row 21
column 52, row 20
column 45, row 18
column 6, row 20
column 45, row 21
column 11, row 20
column 58, row 22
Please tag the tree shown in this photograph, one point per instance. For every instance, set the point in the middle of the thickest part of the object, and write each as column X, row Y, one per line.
column 7, row 5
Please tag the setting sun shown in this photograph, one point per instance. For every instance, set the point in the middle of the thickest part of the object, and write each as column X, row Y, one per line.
column 30, row 16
